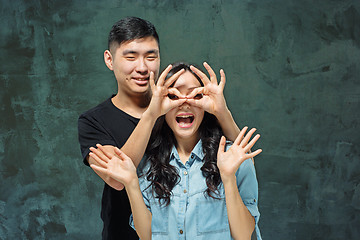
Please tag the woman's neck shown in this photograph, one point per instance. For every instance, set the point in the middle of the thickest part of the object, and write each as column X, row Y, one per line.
column 184, row 147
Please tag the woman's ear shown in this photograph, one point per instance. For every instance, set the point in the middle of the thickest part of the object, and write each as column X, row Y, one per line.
column 108, row 59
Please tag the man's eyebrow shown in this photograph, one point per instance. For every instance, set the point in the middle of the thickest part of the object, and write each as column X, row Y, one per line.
column 129, row 51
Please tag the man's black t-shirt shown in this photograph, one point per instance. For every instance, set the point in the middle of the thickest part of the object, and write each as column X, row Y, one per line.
column 108, row 125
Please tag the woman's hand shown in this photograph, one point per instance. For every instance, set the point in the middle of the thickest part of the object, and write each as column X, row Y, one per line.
column 119, row 167
column 228, row 162
column 212, row 99
column 160, row 102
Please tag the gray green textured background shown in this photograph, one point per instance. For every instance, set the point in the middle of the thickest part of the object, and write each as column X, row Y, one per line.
column 292, row 70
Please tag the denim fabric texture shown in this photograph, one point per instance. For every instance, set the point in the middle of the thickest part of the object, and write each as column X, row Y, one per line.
column 191, row 214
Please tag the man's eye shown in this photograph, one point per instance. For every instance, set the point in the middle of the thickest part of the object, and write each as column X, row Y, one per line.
column 130, row 58
column 173, row 96
column 198, row 96
column 151, row 58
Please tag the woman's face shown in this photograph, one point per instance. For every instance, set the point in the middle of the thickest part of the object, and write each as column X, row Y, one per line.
column 185, row 120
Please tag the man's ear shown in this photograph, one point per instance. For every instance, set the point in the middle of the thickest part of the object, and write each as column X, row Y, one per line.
column 108, row 58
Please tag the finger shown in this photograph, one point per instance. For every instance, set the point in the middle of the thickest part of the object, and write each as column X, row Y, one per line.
column 98, row 160
column 173, row 78
column 240, row 136
column 176, row 92
column 204, row 79
column 253, row 154
column 222, row 79
column 121, row 154
column 99, row 169
column 195, row 91
column 163, row 75
column 222, row 145
column 99, row 154
column 211, row 72
column 106, row 153
column 152, row 81
column 196, row 102
column 246, row 139
column 252, row 143
column 177, row 103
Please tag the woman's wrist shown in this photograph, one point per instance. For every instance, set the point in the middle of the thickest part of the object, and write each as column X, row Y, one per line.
column 149, row 115
column 132, row 184
column 228, row 178
column 223, row 114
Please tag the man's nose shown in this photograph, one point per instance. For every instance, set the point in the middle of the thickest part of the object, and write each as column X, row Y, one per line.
column 142, row 67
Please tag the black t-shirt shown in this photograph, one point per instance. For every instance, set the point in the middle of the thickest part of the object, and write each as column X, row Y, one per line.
column 108, row 125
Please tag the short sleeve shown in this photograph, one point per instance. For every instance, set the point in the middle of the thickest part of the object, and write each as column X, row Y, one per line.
column 91, row 132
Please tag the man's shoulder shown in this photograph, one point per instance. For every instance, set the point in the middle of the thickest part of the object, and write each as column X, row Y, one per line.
column 98, row 110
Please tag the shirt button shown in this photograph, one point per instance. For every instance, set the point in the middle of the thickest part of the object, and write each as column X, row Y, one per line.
column 181, row 231
column 192, row 156
column 185, row 172
column 185, row 191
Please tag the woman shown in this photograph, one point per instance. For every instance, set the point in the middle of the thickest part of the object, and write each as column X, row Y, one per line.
column 191, row 188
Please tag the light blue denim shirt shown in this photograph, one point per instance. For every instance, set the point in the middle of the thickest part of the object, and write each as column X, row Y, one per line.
column 191, row 214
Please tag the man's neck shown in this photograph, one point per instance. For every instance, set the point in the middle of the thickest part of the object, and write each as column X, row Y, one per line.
column 133, row 105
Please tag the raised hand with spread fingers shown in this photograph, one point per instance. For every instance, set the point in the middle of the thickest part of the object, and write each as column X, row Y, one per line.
column 241, row 221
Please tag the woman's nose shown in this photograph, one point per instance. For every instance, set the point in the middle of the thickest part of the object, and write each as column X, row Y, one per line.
column 185, row 105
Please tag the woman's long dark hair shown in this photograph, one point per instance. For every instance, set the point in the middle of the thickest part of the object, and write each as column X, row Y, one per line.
column 163, row 176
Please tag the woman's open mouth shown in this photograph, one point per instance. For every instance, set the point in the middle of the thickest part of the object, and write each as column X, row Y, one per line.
column 185, row 120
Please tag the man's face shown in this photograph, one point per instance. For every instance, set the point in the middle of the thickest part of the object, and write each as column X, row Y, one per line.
column 132, row 63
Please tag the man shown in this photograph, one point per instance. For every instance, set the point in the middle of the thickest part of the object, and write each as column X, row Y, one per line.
column 133, row 52
column 133, row 55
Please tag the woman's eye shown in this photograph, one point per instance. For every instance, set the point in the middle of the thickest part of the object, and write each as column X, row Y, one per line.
column 173, row 96
column 198, row 96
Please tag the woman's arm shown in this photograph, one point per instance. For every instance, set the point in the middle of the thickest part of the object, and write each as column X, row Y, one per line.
column 241, row 222
column 213, row 100
column 121, row 168
column 160, row 104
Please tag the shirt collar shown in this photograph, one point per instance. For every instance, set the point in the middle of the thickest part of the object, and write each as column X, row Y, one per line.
column 197, row 151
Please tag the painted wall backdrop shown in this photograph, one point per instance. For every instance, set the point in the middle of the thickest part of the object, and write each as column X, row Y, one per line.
column 292, row 70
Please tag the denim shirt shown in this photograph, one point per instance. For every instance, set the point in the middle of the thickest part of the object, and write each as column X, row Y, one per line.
column 192, row 214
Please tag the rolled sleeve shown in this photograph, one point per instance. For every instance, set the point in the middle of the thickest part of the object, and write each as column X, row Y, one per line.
column 248, row 189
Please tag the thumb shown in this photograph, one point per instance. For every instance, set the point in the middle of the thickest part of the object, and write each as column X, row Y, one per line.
column 222, row 145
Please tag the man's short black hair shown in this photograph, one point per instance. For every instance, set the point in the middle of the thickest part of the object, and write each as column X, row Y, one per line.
column 131, row 28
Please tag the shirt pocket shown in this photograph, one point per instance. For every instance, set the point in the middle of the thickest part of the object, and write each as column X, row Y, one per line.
column 211, row 216
column 160, row 218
